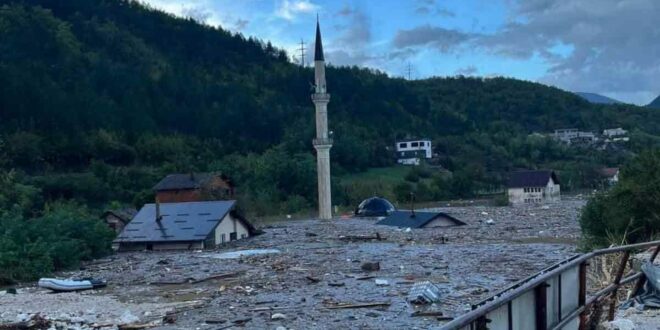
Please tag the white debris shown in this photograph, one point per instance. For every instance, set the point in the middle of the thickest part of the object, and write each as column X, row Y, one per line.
column 238, row 254
column 381, row 282
column 128, row 317
column 621, row 324
column 408, row 230
column 545, row 207
column 490, row 221
column 484, row 213
column 278, row 316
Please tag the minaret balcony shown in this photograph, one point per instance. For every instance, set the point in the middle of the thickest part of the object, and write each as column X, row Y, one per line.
column 322, row 142
column 322, row 97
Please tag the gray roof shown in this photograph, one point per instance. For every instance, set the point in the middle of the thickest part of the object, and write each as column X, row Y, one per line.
column 405, row 219
column 522, row 179
column 183, row 181
column 180, row 222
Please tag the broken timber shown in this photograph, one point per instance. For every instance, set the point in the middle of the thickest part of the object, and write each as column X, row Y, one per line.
column 359, row 305
column 352, row 238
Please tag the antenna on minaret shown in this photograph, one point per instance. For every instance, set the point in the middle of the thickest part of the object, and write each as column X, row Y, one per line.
column 302, row 52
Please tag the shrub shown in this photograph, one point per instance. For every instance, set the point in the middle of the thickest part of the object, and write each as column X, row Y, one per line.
column 627, row 213
column 65, row 235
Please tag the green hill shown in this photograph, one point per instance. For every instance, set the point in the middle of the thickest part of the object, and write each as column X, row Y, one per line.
column 99, row 98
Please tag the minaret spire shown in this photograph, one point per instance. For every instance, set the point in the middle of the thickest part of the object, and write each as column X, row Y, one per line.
column 323, row 142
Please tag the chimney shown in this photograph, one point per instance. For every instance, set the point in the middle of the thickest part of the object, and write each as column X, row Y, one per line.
column 158, row 216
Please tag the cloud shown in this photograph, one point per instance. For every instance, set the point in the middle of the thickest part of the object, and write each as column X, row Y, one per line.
column 199, row 14
column 289, row 9
column 429, row 7
column 353, row 44
column 469, row 70
column 604, row 46
column 444, row 40
column 240, row 24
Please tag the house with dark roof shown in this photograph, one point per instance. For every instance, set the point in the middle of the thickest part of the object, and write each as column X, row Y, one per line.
column 194, row 187
column 189, row 225
column 416, row 219
column 533, row 187
column 117, row 219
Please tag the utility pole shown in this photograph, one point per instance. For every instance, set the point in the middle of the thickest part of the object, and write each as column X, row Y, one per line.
column 302, row 53
column 409, row 70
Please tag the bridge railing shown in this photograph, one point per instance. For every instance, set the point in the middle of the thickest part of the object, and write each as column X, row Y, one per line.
column 555, row 298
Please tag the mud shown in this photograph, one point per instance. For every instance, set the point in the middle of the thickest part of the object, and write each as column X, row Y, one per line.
column 318, row 269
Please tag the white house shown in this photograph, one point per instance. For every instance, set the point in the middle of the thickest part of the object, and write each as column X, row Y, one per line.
column 411, row 152
column 183, row 226
column 533, row 187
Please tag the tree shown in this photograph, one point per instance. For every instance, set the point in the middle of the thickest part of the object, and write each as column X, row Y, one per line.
column 628, row 213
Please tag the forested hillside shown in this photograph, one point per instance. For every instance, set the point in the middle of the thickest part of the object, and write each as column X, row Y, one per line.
column 100, row 98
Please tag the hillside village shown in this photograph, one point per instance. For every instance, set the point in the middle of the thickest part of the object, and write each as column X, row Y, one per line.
column 462, row 205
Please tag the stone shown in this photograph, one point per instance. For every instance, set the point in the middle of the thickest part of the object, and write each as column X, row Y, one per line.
column 278, row 316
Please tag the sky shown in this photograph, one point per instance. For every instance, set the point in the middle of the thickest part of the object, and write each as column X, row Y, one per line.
column 610, row 47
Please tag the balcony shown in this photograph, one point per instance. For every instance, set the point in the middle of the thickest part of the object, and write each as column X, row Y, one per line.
column 322, row 142
column 321, row 97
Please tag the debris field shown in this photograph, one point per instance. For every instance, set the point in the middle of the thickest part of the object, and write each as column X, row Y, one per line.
column 345, row 273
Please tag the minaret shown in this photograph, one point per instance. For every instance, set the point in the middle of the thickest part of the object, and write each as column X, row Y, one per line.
column 322, row 143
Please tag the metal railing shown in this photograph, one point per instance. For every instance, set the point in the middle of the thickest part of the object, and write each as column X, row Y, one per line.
column 555, row 298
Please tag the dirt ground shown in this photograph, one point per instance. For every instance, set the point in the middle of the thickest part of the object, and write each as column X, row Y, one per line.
column 316, row 272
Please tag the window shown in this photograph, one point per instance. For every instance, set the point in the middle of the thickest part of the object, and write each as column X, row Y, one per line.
column 223, row 238
column 232, row 237
column 414, row 144
column 243, row 235
column 403, row 145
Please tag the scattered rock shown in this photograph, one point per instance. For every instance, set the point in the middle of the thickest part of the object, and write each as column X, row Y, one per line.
column 278, row 316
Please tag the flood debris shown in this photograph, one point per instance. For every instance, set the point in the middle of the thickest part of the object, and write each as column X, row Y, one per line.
column 196, row 286
column 354, row 238
column 241, row 253
column 370, row 266
column 381, row 282
column 36, row 321
column 424, row 293
column 359, row 305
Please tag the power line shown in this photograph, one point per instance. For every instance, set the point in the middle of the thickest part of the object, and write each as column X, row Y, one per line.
column 302, row 52
column 409, row 70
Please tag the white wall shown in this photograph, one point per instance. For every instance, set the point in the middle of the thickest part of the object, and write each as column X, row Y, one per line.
column 424, row 145
column 548, row 194
column 227, row 226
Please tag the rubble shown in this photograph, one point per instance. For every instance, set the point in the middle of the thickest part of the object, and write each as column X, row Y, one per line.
column 199, row 290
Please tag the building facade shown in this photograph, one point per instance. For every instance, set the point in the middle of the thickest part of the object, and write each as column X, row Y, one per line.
column 411, row 152
column 533, row 187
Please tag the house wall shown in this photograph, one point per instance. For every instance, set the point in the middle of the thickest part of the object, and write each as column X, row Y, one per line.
column 176, row 196
column 548, row 194
column 229, row 225
column 440, row 222
column 421, row 145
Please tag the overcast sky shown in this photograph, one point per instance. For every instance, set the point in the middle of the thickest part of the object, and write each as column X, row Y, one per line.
column 611, row 47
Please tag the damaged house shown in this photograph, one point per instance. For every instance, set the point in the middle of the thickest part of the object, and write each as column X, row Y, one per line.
column 533, row 187
column 414, row 219
column 194, row 187
column 117, row 219
column 190, row 225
